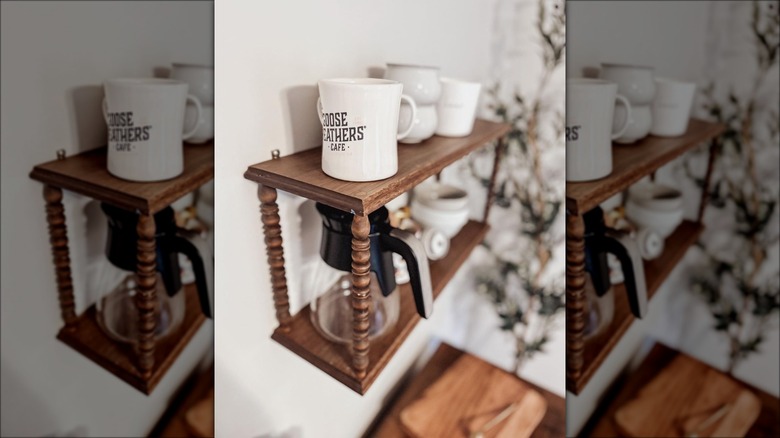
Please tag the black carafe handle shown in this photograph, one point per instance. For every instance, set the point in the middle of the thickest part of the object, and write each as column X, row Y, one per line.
column 613, row 246
column 411, row 249
column 184, row 246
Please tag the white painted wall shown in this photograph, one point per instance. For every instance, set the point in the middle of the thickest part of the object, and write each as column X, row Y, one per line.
column 269, row 60
column 670, row 36
column 55, row 56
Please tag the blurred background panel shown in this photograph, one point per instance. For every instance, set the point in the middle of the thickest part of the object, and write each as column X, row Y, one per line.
column 720, row 303
column 55, row 58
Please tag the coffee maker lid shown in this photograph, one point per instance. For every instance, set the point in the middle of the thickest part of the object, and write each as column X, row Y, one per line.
column 341, row 221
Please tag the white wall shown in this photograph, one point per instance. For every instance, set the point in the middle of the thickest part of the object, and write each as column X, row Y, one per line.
column 269, row 60
column 669, row 36
column 55, row 56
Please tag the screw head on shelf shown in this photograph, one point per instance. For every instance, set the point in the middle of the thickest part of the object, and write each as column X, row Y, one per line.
column 61, row 154
column 275, row 154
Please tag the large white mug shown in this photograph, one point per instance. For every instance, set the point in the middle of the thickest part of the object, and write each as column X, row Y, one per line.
column 590, row 104
column 672, row 107
column 457, row 107
column 145, row 119
column 360, row 129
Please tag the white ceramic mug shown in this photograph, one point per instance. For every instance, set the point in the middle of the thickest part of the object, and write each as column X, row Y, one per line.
column 360, row 127
column 145, row 119
column 590, row 104
column 638, row 124
column 199, row 77
column 457, row 107
column 672, row 107
column 205, row 124
column 424, row 124
column 635, row 82
column 421, row 82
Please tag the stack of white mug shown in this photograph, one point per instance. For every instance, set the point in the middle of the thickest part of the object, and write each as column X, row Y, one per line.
column 200, row 79
column 636, row 83
column 445, row 106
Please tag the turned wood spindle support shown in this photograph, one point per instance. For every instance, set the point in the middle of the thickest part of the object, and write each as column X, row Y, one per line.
column 575, row 295
column 58, row 238
column 491, row 195
column 146, row 298
column 705, row 189
column 269, row 214
column 361, row 295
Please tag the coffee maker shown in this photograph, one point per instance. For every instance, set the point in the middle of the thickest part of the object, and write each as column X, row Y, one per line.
column 600, row 241
column 331, row 307
column 117, row 313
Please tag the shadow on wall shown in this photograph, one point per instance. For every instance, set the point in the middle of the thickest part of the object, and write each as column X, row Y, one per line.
column 243, row 405
column 376, row 72
column 299, row 104
column 26, row 404
column 89, row 127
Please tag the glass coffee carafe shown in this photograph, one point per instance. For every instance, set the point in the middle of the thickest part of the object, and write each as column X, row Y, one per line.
column 117, row 312
column 599, row 292
column 118, row 315
column 331, row 305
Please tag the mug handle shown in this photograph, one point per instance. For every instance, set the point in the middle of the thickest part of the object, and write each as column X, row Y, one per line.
column 411, row 103
column 319, row 108
column 191, row 132
column 627, row 104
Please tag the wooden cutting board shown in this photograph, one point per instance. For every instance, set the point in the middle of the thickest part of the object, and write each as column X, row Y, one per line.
column 685, row 395
column 200, row 417
column 468, row 395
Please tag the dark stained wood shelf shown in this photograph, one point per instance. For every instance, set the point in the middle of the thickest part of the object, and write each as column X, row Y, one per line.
column 632, row 162
column 87, row 174
column 388, row 424
column 602, row 422
column 335, row 360
column 119, row 359
column 301, row 173
column 598, row 348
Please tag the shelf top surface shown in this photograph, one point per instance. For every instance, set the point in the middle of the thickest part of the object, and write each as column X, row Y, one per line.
column 632, row 162
column 301, row 173
column 87, row 174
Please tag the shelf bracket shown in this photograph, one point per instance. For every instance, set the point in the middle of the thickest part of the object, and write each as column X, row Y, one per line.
column 500, row 145
column 269, row 215
column 146, row 299
column 58, row 238
column 705, row 194
column 361, row 294
column 575, row 295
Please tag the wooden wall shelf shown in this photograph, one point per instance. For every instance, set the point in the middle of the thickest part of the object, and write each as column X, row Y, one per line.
column 333, row 359
column 630, row 164
column 301, row 173
column 89, row 339
column 601, row 423
column 357, row 365
column 87, row 174
column 598, row 348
